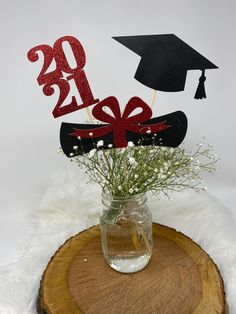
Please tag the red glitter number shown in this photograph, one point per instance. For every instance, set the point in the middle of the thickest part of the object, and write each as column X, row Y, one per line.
column 78, row 52
column 48, row 54
column 77, row 74
column 56, row 77
column 64, row 89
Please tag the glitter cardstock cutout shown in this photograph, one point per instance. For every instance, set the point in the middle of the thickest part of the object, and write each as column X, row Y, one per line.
column 63, row 74
column 168, row 130
column 165, row 60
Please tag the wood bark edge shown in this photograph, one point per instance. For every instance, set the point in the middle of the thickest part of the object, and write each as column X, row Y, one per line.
column 42, row 307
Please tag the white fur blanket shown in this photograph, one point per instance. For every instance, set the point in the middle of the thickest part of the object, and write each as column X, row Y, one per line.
column 71, row 205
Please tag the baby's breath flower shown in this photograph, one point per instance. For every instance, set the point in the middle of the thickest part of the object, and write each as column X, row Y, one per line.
column 138, row 169
column 100, row 143
column 132, row 161
column 75, row 147
column 92, row 153
column 59, row 150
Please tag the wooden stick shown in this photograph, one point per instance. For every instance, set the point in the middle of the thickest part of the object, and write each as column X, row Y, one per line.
column 153, row 98
column 89, row 115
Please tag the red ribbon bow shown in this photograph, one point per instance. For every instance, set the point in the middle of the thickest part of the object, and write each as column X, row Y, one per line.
column 120, row 123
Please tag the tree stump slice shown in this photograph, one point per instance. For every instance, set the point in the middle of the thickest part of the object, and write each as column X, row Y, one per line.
column 180, row 279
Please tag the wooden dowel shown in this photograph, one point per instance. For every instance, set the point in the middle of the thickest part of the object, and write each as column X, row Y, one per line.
column 153, row 98
column 90, row 117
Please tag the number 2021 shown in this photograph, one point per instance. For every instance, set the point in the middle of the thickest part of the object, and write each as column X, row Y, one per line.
column 56, row 77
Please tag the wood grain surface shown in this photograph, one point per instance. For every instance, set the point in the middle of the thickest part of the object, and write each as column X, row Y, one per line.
column 180, row 279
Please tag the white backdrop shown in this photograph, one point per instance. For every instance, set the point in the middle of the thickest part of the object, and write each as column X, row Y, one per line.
column 30, row 134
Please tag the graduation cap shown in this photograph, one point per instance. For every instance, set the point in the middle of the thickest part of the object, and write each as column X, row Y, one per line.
column 165, row 60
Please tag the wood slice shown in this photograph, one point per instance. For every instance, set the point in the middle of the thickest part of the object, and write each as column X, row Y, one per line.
column 180, row 279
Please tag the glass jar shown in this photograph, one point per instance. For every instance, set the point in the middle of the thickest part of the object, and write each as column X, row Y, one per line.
column 126, row 232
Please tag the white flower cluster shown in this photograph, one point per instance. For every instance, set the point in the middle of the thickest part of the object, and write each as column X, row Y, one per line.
column 137, row 169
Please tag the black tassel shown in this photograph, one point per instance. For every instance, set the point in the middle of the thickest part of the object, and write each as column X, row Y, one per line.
column 200, row 92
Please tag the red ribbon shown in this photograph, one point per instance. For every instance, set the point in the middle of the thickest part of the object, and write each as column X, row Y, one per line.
column 120, row 123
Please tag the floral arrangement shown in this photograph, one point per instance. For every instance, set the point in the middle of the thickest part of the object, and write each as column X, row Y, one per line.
column 134, row 169
column 137, row 160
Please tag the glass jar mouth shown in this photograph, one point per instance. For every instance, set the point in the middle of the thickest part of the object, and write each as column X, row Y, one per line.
column 127, row 197
column 120, row 201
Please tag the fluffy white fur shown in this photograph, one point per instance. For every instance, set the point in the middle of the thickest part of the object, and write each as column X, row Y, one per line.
column 70, row 205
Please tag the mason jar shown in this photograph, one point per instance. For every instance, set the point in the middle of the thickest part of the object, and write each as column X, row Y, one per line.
column 126, row 232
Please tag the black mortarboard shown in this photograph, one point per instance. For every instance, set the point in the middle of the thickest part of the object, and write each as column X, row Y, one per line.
column 165, row 60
